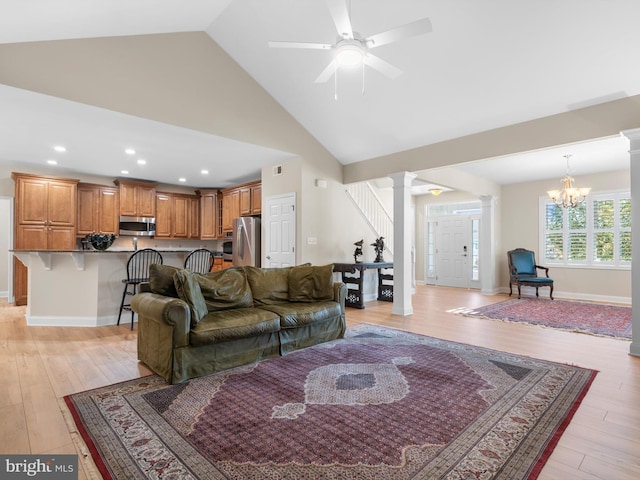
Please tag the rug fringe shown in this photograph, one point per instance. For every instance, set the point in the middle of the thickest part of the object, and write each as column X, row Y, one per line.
column 84, row 456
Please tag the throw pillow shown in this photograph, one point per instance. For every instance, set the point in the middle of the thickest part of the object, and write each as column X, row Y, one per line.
column 225, row 289
column 186, row 283
column 310, row 284
column 161, row 280
column 268, row 285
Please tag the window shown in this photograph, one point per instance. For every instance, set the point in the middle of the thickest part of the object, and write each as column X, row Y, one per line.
column 597, row 233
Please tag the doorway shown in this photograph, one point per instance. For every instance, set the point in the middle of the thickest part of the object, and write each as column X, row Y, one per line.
column 279, row 223
column 452, row 246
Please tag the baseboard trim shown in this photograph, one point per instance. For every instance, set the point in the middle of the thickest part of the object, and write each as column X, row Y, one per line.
column 587, row 297
column 45, row 321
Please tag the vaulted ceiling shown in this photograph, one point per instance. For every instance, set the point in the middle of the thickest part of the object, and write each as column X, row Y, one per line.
column 485, row 65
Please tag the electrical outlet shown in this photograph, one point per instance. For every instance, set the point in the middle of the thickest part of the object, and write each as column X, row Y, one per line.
column 312, row 241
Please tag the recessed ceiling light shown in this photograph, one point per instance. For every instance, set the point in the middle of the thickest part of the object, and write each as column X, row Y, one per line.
column 59, row 148
column 142, row 161
column 124, row 172
column 182, row 179
column 204, row 172
column 52, row 162
column 130, row 151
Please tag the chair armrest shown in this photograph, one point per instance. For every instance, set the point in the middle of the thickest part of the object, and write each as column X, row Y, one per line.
column 546, row 269
column 165, row 310
column 340, row 294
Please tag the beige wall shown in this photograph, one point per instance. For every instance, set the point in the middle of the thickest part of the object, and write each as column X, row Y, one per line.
column 520, row 228
column 5, row 239
column 186, row 79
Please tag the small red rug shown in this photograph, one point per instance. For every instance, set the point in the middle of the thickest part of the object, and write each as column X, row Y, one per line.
column 590, row 318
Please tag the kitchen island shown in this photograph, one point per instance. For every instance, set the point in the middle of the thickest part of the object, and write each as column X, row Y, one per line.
column 80, row 287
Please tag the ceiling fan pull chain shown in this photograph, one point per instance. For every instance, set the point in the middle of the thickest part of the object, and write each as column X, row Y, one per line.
column 335, row 86
column 362, row 79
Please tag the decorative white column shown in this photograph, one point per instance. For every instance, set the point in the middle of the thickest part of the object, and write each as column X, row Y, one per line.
column 402, row 243
column 487, row 246
column 634, row 155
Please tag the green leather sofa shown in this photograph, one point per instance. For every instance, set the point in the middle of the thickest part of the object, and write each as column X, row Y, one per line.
column 192, row 324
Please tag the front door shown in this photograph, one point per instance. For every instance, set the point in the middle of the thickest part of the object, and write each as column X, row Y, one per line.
column 453, row 251
column 279, row 218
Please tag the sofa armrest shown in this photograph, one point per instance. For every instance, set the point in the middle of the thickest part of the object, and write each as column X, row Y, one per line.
column 165, row 310
column 340, row 294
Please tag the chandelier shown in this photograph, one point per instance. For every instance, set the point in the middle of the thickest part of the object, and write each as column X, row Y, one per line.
column 569, row 196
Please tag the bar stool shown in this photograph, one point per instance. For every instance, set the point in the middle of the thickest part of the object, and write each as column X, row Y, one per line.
column 137, row 272
column 199, row 261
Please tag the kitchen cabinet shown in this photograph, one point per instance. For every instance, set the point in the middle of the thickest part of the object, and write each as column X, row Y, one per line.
column 241, row 200
column 251, row 199
column 230, row 209
column 137, row 199
column 45, row 219
column 176, row 215
column 208, row 214
column 98, row 209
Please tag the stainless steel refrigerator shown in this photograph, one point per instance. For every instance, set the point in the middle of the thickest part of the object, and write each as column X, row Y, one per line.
column 246, row 241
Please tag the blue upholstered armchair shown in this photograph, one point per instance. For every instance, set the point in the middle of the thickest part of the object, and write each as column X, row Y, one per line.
column 523, row 270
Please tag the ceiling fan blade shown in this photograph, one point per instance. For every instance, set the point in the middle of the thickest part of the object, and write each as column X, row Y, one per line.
column 340, row 15
column 412, row 29
column 383, row 67
column 315, row 46
column 327, row 72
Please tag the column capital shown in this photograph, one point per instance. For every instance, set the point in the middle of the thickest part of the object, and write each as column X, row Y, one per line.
column 402, row 179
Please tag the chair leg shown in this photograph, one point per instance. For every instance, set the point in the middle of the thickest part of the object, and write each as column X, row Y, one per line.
column 551, row 293
column 518, row 290
column 124, row 295
column 132, row 312
column 537, row 292
column 510, row 288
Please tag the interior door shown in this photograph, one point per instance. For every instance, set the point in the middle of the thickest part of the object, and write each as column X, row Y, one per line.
column 279, row 219
column 453, row 248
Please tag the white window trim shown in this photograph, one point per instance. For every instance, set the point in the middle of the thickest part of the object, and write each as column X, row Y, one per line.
column 586, row 264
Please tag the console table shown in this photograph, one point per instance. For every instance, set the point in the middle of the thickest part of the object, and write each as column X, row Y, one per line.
column 352, row 276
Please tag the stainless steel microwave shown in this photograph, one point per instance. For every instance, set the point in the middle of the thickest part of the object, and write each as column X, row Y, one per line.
column 138, row 226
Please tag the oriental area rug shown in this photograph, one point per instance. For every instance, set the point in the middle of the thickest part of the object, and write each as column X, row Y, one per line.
column 378, row 404
column 581, row 317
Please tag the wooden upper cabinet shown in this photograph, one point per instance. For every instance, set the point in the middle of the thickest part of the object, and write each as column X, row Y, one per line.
column 180, row 216
column 208, row 214
column 137, row 199
column 194, row 217
column 42, row 200
column 245, row 201
column 230, row 209
column 45, row 202
column 98, row 209
column 241, row 200
column 177, row 215
column 163, row 215
column 256, row 199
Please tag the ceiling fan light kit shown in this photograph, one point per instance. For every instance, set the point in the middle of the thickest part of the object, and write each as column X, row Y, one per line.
column 351, row 50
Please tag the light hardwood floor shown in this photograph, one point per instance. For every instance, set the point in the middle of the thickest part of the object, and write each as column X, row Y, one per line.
column 40, row 365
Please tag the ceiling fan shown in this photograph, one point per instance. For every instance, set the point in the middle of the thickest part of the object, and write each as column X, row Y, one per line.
column 351, row 49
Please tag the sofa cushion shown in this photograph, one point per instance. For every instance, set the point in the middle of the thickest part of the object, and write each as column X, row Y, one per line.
column 310, row 283
column 225, row 289
column 268, row 285
column 186, row 283
column 222, row 326
column 303, row 313
column 161, row 280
